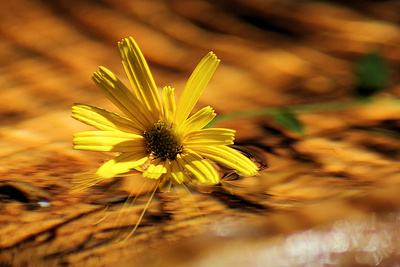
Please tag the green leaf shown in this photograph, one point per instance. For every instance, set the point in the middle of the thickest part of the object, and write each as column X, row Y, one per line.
column 287, row 119
column 372, row 74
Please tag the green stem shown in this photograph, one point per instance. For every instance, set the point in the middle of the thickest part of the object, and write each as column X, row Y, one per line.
column 315, row 107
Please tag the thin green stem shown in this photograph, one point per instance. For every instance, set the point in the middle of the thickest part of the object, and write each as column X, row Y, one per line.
column 315, row 107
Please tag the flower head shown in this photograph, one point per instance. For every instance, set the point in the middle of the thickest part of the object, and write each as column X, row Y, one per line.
column 158, row 138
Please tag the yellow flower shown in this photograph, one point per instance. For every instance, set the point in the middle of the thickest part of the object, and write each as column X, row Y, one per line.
column 158, row 139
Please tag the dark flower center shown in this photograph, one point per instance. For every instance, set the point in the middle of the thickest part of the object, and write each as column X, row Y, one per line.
column 162, row 141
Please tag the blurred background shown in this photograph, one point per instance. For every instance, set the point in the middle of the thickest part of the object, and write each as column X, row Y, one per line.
column 330, row 193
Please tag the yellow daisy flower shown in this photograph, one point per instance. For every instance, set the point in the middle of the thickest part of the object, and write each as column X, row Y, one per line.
column 158, row 139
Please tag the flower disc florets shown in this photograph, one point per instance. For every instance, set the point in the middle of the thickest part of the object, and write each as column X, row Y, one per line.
column 162, row 141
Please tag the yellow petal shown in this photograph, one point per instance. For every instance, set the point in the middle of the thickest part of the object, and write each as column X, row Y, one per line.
column 177, row 172
column 210, row 137
column 157, row 168
column 195, row 86
column 198, row 120
column 229, row 157
column 199, row 167
column 108, row 134
column 109, row 141
column 121, row 97
column 102, row 119
column 121, row 164
column 169, row 102
column 140, row 76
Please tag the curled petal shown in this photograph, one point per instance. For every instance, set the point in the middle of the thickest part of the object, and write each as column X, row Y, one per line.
column 156, row 168
column 229, row 157
column 102, row 119
column 177, row 172
column 121, row 164
column 198, row 120
column 199, row 167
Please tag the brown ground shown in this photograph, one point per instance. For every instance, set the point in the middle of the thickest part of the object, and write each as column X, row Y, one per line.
column 331, row 196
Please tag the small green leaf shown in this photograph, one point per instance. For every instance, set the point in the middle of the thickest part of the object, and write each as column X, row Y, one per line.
column 372, row 74
column 287, row 119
